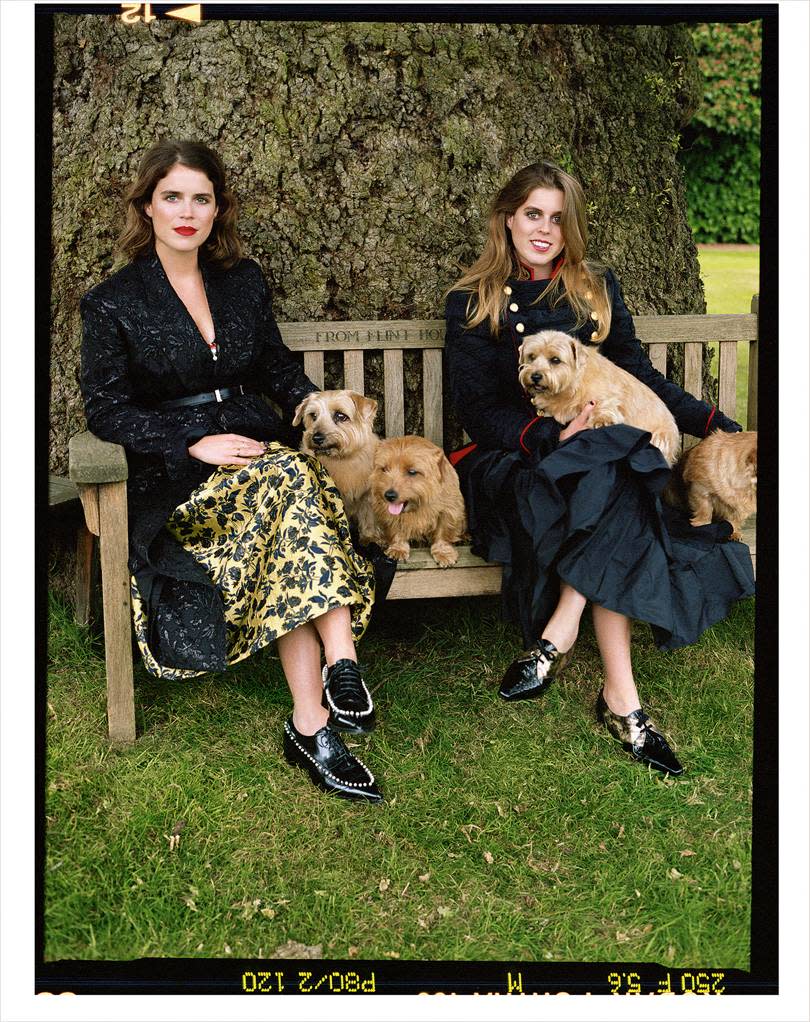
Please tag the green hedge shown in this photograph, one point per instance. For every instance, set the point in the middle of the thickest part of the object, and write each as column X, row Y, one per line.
column 720, row 149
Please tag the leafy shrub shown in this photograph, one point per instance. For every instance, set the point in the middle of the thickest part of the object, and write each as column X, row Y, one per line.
column 720, row 151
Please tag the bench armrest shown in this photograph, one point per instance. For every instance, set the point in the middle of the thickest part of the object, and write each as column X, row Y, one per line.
column 91, row 460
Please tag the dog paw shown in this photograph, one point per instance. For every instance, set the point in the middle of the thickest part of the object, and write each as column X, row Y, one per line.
column 399, row 551
column 444, row 554
column 736, row 535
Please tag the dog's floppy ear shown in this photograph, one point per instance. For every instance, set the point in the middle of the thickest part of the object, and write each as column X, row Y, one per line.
column 366, row 406
column 299, row 411
column 446, row 469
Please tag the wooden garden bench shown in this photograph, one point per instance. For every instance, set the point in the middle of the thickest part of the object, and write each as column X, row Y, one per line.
column 99, row 469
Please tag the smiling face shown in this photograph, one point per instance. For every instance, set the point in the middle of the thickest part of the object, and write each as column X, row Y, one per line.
column 536, row 232
column 182, row 210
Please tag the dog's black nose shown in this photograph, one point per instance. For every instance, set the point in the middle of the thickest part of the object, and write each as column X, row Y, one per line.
column 537, row 377
column 391, row 495
column 317, row 439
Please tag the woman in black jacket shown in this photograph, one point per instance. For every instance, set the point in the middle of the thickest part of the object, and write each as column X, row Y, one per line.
column 574, row 514
column 236, row 539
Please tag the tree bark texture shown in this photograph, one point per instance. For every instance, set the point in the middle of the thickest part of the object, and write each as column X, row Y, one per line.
column 365, row 156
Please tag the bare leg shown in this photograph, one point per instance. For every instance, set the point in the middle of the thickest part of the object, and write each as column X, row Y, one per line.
column 300, row 655
column 335, row 631
column 613, row 637
column 563, row 626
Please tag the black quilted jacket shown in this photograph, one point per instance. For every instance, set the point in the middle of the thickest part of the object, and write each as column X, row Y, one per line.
column 482, row 370
column 141, row 347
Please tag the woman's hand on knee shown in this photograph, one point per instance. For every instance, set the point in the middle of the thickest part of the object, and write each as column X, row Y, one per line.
column 580, row 422
column 226, row 449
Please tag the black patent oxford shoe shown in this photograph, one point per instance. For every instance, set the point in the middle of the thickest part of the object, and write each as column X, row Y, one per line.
column 329, row 763
column 639, row 735
column 530, row 675
column 348, row 700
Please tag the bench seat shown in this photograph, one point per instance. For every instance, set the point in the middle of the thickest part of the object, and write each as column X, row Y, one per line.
column 421, row 577
column 99, row 470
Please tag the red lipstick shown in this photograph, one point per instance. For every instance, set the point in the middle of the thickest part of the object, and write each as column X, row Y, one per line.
column 185, row 231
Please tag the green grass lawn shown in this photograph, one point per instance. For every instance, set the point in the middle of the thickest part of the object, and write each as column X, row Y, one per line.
column 509, row 832
column 730, row 278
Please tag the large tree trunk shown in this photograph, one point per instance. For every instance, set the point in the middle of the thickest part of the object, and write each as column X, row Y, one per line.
column 365, row 155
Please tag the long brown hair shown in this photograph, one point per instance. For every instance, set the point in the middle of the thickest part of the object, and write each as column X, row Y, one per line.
column 222, row 246
column 579, row 282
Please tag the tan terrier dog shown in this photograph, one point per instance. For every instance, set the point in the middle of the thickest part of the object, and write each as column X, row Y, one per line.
column 717, row 480
column 339, row 432
column 415, row 494
column 561, row 376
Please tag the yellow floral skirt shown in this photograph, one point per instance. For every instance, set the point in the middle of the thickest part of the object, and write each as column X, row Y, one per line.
column 274, row 538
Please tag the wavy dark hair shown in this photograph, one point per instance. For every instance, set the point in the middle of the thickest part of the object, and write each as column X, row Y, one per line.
column 222, row 246
column 575, row 279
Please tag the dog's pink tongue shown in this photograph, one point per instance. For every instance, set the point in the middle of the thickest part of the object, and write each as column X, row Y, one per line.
column 396, row 509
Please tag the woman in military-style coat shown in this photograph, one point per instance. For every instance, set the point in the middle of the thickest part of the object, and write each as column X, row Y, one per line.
column 572, row 513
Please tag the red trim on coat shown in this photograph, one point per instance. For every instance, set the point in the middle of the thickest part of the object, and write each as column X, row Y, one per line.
column 526, row 428
column 709, row 420
column 455, row 456
column 556, row 266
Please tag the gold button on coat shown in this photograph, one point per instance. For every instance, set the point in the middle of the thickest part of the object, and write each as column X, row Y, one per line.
column 513, row 307
column 507, row 290
column 594, row 335
column 520, row 328
column 594, row 316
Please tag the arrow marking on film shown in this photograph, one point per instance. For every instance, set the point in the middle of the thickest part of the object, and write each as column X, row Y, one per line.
column 190, row 13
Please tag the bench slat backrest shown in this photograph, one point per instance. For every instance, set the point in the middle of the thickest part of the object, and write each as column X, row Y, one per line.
column 395, row 337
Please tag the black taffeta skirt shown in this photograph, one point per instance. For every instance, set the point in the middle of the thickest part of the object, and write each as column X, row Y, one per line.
column 590, row 514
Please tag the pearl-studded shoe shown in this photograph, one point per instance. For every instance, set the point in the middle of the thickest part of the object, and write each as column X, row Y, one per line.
column 348, row 700
column 640, row 737
column 329, row 763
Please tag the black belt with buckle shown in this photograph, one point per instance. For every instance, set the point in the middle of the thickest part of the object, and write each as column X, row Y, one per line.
column 206, row 399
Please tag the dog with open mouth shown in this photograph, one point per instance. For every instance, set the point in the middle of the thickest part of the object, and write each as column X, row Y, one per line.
column 339, row 432
column 561, row 375
column 415, row 494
